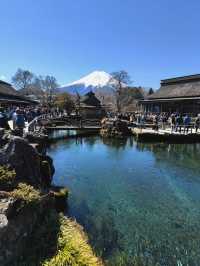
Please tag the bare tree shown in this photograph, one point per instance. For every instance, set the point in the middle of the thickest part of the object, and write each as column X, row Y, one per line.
column 65, row 102
column 49, row 85
column 22, row 79
column 118, row 81
column 38, row 82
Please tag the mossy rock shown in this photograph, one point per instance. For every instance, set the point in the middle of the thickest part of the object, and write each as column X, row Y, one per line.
column 46, row 173
column 7, row 178
column 61, row 196
column 26, row 193
column 26, row 196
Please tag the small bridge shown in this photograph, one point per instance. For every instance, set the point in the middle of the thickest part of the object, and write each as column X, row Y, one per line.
column 61, row 122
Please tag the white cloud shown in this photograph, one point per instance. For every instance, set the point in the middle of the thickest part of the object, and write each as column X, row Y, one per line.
column 2, row 77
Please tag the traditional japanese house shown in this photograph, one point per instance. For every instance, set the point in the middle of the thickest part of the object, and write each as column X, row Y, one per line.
column 90, row 106
column 10, row 96
column 181, row 94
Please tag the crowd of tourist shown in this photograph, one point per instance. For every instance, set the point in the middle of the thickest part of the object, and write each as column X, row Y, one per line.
column 175, row 121
column 19, row 116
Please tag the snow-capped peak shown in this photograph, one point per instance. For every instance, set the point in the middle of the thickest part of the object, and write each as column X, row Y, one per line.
column 94, row 79
column 97, row 81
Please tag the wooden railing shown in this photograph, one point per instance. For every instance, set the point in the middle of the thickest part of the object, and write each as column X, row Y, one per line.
column 33, row 125
column 36, row 124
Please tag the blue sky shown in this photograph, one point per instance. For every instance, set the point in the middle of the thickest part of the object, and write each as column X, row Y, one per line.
column 151, row 39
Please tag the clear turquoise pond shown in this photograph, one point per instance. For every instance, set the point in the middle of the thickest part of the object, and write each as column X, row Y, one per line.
column 139, row 203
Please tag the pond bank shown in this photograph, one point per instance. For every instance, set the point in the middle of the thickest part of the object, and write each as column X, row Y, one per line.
column 32, row 230
column 112, row 128
column 165, row 136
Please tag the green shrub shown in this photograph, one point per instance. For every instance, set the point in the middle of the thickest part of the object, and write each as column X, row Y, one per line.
column 7, row 178
column 26, row 193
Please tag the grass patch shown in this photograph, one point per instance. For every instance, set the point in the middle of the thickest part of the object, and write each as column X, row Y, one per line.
column 57, row 241
column 73, row 247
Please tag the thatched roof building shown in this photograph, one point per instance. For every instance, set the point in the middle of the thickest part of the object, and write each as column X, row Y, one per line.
column 181, row 94
column 90, row 106
column 90, row 99
column 8, row 96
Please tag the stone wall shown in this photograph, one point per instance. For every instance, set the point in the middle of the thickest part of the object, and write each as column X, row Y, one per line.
column 17, row 225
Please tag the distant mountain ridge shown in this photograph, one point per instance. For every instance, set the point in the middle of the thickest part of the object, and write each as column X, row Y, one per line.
column 95, row 81
column 101, row 83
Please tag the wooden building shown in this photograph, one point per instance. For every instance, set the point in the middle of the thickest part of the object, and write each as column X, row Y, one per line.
column 181, row 94
column 90, row 106
column 10, row 96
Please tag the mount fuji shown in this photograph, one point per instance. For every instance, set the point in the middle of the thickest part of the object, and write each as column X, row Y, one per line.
column 97, row 81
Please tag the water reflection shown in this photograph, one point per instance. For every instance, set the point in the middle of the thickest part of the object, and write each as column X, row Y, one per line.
column 182, row 155
column 116, row 144
column 138, row 202
column 60, row 134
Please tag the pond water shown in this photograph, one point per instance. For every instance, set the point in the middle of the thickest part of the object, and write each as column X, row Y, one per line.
column 139, row 203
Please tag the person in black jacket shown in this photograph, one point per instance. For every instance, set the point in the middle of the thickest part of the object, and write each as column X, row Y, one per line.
column 197, row 123
column 3, row 119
